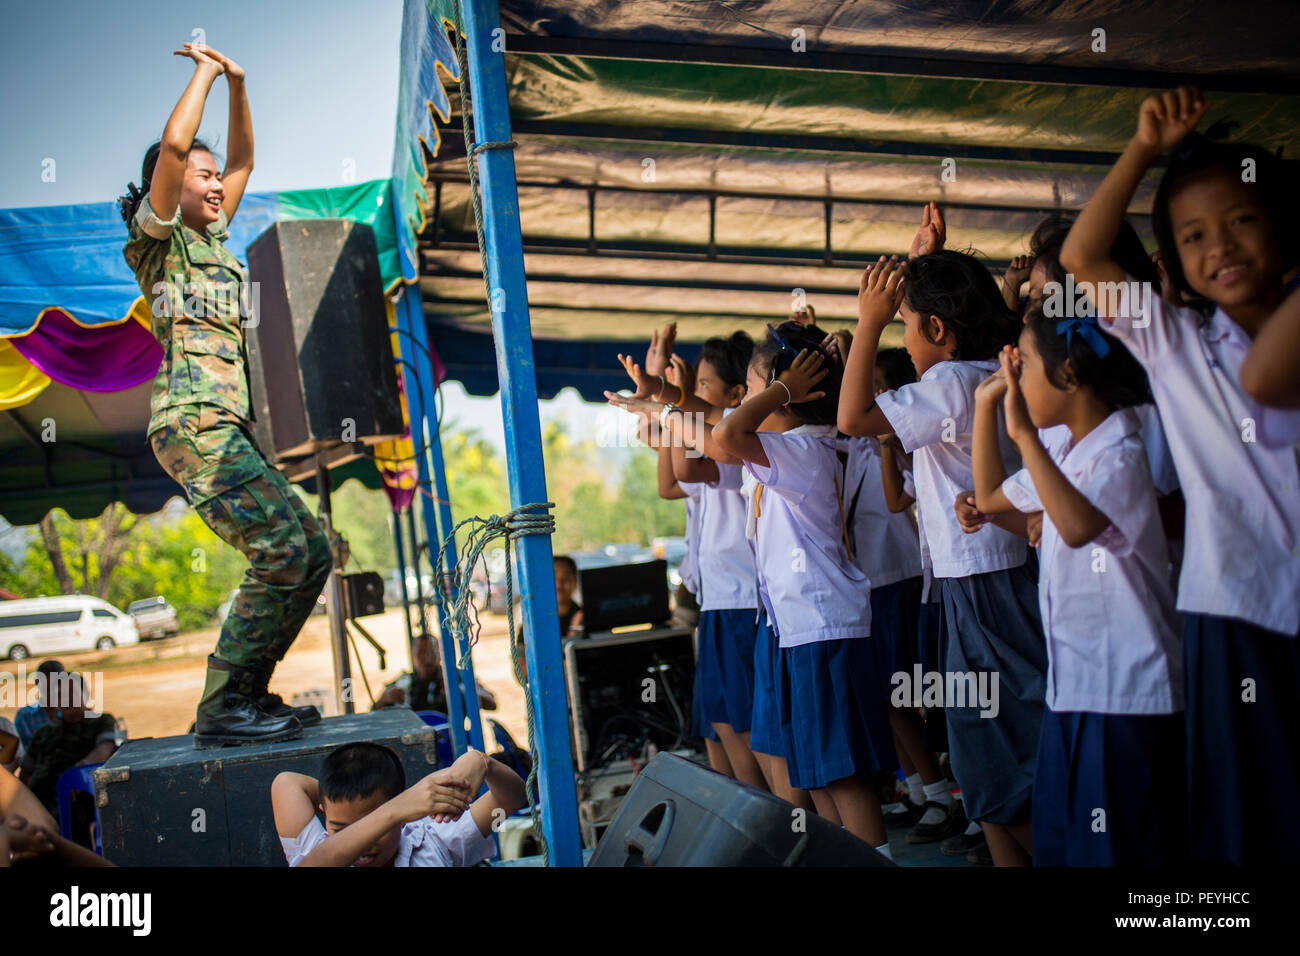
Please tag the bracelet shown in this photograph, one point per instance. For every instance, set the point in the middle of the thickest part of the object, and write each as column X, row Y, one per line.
column 788, row 396
column 663, row 416
column 663, row 383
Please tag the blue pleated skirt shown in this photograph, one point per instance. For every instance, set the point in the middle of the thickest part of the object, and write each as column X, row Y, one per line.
column 1110, row 790
column 1243, row 746
column 725, row 672
column 765, row 727
column 895, row 609
column 833, row 714
column 931, row 642
column 995, row 632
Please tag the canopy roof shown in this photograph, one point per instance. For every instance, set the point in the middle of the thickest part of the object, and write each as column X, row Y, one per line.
column 698, row 162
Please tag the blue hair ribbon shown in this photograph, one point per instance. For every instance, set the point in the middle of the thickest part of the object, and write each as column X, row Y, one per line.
column 780, row 340
column 1089, row 329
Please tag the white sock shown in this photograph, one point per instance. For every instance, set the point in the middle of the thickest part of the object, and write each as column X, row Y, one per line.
column 973, row 829
column 937, row 793
column 883, row 850
column 915, row 789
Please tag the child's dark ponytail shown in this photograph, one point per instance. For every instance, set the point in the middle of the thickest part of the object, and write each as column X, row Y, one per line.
column 960, row 292
column 778, row 352
column 729, row 356
column 129, row 204
column 1096, row 359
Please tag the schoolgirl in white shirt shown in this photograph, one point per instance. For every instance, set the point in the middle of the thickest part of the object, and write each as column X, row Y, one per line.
column 955, row 322
column 834, row 671
column 1112, row 738
column 1228, row 240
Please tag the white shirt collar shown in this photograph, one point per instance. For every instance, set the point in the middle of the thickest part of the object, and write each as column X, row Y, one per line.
column 1117, row 425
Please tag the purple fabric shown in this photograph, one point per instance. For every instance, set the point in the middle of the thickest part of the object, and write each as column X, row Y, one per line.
column 106, row 358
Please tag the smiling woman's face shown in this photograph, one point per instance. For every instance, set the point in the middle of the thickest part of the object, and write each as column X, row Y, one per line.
column 201, row 190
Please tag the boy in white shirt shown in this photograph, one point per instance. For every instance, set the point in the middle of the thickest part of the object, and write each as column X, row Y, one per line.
column 371, row 819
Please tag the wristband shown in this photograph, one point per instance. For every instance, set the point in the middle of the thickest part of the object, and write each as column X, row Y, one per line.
column 788, row 396
column 663, row 416
column 663, row 383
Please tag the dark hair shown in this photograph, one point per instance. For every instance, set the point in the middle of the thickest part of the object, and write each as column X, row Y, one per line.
column 1198, row 155
column 129, row 203
column 960, row 292
column 1127, row 250
column 730, row 356
column 567, row 562
column 1116, row 378
column 778, row 352
column 50, row 667
column 896, row 365
column 356, row 770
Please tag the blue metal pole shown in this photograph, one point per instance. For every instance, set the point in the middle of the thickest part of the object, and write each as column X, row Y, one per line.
column 504, row 259
column 417, row 374
column 468, row 685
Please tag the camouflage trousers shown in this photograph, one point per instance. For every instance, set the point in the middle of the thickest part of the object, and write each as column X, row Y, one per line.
column 249, row 505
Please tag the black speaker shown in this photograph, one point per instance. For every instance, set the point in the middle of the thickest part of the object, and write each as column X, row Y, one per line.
column 163, row 803
column 320, row 359
column 679, row 813
column 363, row 594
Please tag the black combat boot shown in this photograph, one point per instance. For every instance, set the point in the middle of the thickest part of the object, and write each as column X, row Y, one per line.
column 273, row 705
column 227, row 715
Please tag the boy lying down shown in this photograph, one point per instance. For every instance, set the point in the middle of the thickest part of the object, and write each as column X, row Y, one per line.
column 371, row 819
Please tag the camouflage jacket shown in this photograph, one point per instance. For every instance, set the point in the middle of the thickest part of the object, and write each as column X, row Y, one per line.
column 198, row 296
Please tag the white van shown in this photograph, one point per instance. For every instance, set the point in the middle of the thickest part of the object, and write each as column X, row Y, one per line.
column 59, row 625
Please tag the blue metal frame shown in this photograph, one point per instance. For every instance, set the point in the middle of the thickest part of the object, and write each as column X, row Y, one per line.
column 512, row 333
column 462, row 707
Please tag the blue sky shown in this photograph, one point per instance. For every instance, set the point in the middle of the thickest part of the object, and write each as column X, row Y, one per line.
column 91, row 84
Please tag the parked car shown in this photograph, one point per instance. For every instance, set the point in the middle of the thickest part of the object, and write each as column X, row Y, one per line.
column 154, row 617
column 62, row 624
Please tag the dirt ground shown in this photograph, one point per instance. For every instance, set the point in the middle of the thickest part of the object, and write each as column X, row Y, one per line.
column 154, row 686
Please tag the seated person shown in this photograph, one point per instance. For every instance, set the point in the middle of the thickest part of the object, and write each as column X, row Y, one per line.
column 566, row 584
column 28, row 834
column 372, row 820
column 11, row 748
column 71, row 739
column 33, row 717
column 424, row 689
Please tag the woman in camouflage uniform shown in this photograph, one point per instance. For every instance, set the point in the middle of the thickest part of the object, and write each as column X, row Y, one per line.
column 199, row 426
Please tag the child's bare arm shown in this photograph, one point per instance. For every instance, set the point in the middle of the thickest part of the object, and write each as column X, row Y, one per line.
column 669, row 489
column 1163, row 120
column 506, row 794
column 17, row 799
column 891, row 477
column 879, row 294
column 1271, row 372
column 986, row 457
column 294, row 797
column 691, row 467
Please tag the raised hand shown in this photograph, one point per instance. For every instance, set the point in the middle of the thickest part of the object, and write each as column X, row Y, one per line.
column 644, row 407
column 1019, row 425
column 932, row 233
column 645, row 384
column 232, row 69
column 805, row 316
column 838, row 344
column 992, row 389
column 201, row 54
column 804, row 372
column 1018, row 271
column 880, row 292
column 1165, row 118
column 660, row 350
column 441, row 795
column 681, row 374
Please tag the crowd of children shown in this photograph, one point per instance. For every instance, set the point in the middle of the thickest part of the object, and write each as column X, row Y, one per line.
column 1060, row 545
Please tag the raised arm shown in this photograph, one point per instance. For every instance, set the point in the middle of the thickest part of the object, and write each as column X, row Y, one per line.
column 506, row 793
column 1271, row 372
column 294, row 797
column 1163, row 120
column 891, row 478
column 239, row 136
column 986, row 458
column 178, row 135
column 737, row 434
column 879, row 293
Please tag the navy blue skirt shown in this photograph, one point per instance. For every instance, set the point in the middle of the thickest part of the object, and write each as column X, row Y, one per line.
column 725, row 672
column 931, row 641
column 833, row 710
column 765, row 727
column 894, row 612
column 995, row 632
column 1243, row 742
column 1110, row 790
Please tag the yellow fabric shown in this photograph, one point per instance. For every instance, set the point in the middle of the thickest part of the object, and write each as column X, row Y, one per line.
column 20, row 380
column 396, row 459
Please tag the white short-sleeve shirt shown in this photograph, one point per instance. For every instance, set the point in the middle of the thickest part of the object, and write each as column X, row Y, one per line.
column 933, row 418
column 809, row 587
column 726, row 556
column 422, row 843
column 885, row 544
column 1107, row 607
column 1242, row 540
column 690, row 566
